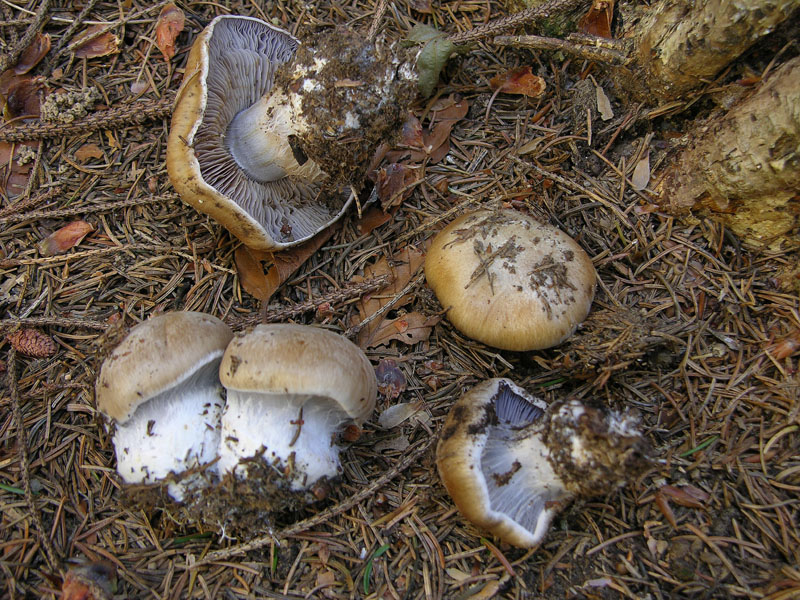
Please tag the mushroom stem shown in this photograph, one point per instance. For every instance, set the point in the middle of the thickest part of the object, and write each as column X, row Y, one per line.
column 300, row 443
column 173, row 432
column 259, row 140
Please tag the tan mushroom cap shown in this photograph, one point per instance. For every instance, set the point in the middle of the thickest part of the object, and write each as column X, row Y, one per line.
column 509, row 281
column 301, row 360
column 464, row 467
column 157, row 354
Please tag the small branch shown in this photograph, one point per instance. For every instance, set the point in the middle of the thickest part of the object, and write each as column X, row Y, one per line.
column 320, row 518
column 77, row 210
column 587, row 52
column 52, row 322
column 112, row 118
column 9, row 60
column 380, row 10
column 523, row 17
column 52, row 558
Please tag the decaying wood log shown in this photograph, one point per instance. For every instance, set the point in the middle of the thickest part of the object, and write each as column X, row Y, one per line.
column 679, row 45
column 744, row 167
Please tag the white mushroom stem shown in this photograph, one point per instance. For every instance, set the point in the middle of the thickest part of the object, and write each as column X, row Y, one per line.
column 293, row 433
column 258, row 139
column 176, row 431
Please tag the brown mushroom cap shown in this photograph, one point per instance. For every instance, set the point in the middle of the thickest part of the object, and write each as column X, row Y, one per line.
column 301, row 360
column 509, row 281
column 495, row 466
column 265, row 215
column 157, row 354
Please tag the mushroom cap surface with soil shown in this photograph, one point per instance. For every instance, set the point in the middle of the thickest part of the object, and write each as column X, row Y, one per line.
column 160, row 387
column 270, row 137
column 509, row 281
column 290, row 390
column 511, row 463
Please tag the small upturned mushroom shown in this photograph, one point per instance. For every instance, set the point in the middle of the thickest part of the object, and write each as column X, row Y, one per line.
column 160, row 388
column 270, row 137
column 291, row 391
column 509, row 281
column 511, row 463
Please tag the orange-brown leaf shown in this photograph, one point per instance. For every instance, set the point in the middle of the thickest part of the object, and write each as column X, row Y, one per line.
column 286, row 262
column 395, row 183
column 666, row 509
column 33, row 54
column 251, row 273
column 597, row 21
column 519, row 81
column 170, row 24
column 88, row 151
column 31, row 342
column 65, row 238
column 685, row 495
column 453, row 107
column 20, row 94
column 101, row 44
column 373, row 217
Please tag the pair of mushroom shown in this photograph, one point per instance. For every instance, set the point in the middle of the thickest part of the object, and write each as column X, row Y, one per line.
column 271, row 137
column 192, row 404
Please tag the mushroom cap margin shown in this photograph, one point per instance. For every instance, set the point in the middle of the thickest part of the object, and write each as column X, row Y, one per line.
column 286, row 358
column 156, row 355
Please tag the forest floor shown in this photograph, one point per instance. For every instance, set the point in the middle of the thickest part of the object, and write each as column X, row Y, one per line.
column 688, row 327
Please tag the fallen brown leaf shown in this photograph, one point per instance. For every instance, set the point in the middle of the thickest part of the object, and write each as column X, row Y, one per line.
column 170, row 24
column 251, row 273
column 597, row 20
column 33, row 54
column 409, row 329
column 685, row 495
column 14, row 174
column 372, row 218
column 65, row 238
column 518, row 81
column 101, row 44
column 88, row 151
column 20, row 94
column 391, row 381
column 395, row 183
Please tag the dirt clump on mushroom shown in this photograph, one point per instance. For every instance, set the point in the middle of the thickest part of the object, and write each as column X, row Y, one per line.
column 355, row 94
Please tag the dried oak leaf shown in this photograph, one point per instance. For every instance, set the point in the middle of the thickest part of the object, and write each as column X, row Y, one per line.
column 251, row 273
column 31, row 342
column 33, row 54
column 395, row 183
column 65, row 238
column 170, row 24
column 88, row 151
column 96, row 44
column 93, row 581
column 372, row 218
column 430, row 144
column 597, row 20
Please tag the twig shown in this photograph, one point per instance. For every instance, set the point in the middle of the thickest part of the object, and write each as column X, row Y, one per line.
column 386, row 307
column 523, row 17
column 121, row 116
column 380, row 10
column 350, row 291
column 52, row 321
column 10, row 59
column 53, row 560
column 51, row 260
column 317, row 519
column 20, row 205
column 535, row 42
column 79, row 210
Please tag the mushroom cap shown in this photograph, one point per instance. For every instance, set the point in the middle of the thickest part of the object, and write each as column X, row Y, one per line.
column 493, row 462
column 264, row 215
column 295, row 359
column 509, row 281
column 156, row 355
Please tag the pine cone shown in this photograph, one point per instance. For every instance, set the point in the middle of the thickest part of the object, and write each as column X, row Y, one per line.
column 31, row 342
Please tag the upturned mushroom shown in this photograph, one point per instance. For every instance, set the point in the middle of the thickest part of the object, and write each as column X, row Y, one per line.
column 509, row 281
column 270, row 137
column 291, row 390
column 511, row 463
column 160, row 389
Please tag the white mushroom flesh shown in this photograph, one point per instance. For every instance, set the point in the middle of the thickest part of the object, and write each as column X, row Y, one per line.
column 173, row 432
column 301, row 445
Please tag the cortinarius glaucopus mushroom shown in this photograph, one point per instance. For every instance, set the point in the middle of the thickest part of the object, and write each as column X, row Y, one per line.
column 509, row 281
column 291, row 390
column 160, row 387
column 511, row 463
column 271, row 138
